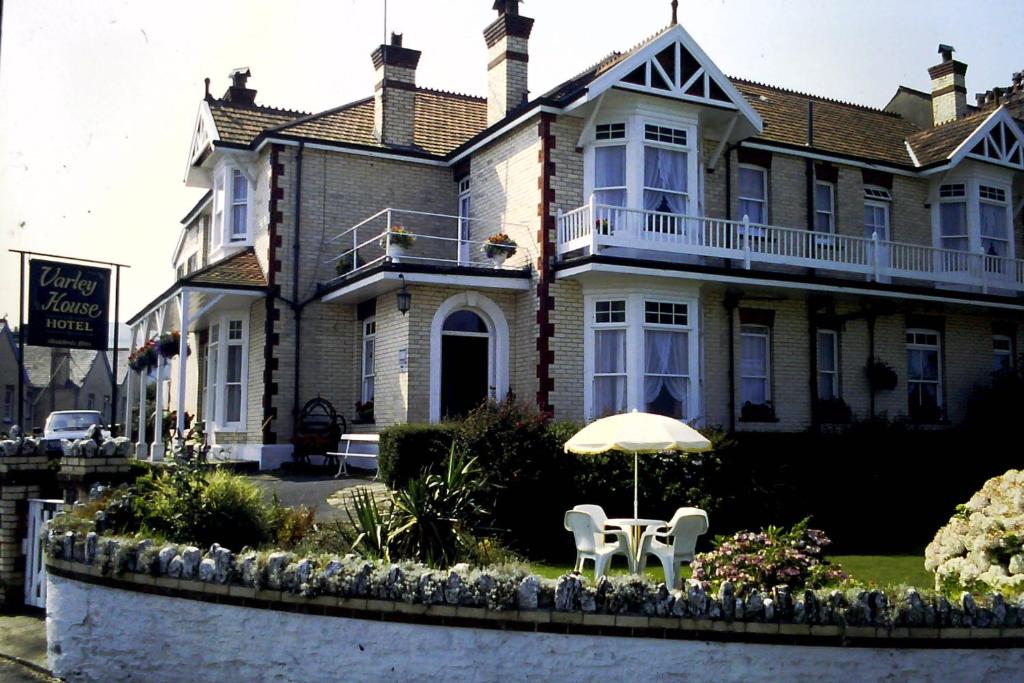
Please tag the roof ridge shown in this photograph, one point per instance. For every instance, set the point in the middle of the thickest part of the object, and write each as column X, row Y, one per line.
column 260, row 107
column 821, row 98
column 439, row 91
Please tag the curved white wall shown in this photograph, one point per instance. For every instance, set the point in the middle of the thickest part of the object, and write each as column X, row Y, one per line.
column 96, row 633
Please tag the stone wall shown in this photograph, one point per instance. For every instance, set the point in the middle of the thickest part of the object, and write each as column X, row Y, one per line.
column 101, row 629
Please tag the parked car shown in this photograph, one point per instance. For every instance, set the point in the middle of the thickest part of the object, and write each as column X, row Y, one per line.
column 71, row 425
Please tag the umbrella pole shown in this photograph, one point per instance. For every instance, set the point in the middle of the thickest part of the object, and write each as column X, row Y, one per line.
column 636, row 478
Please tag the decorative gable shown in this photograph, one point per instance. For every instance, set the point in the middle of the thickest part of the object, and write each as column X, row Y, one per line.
column 673, row 65
column 203, row 135
column 1001, row 141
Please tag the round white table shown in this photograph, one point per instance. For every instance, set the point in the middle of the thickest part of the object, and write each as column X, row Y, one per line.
column 635, row 526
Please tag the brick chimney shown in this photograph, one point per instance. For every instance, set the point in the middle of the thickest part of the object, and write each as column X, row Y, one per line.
column 238, row 93
column 949, row 88
column 507, row 58
column 394, row 97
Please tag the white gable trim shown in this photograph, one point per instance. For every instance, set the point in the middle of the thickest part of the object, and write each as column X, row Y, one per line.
column 981, row 133
column 646, row 56
column 204, row 134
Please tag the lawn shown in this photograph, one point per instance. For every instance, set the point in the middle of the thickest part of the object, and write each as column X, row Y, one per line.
column 884, row 570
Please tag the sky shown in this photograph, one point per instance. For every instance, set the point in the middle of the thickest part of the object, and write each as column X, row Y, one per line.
column 98, row 98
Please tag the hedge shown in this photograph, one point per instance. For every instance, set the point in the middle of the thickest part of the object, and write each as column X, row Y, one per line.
column 408, row 449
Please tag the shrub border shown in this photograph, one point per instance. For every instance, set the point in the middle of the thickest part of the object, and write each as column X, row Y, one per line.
column 547, row 620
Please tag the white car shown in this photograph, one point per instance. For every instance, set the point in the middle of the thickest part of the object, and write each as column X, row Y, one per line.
column 71, row 425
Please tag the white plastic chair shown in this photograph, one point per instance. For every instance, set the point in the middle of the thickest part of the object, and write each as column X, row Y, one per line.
column 601, row 519
column 679, row 539
column 591, row 545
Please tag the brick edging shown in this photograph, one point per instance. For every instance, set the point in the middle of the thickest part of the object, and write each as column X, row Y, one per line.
column 548, row 620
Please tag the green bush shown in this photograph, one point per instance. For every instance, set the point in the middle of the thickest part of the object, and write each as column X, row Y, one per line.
column 406, row 450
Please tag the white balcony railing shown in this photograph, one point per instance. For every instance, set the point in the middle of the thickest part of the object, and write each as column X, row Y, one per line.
column 430, row 239
column 595, row 227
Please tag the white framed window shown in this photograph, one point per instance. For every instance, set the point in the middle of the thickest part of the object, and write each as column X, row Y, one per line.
column 924, row 375
column 755, row 365
column 641, row 352
column 824, row 207
column 239, row 206
column 609, row 360
column 369, row 356
column 828, row 364
column 8, row 403
column 753, row 193
column 610, row 175
column 610, row 131
column 666, row 177
column 953, row 232
column 666, row 358
column 227, row 372
column 877, row 207
column 1002, row 352
column 994, row 220
column 219, row 199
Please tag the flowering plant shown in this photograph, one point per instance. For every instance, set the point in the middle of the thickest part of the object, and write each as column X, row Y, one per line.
column 982, row 546
column 143, row 357
column 771, row 557
column 169, row 343
column 364, row 410
column 601, row 224
column 400, row 237
column 500, row 243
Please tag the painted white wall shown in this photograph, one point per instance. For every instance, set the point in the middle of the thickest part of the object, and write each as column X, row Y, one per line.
column 96, row 633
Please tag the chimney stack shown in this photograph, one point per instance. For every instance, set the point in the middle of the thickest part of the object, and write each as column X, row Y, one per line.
column 394, row 97
column 949, row 88
column 238, row 93
column 507, row 57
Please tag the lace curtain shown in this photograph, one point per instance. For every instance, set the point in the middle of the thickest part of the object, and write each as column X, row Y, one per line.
column 609, row 361
column 664, row 169
column 666, row 366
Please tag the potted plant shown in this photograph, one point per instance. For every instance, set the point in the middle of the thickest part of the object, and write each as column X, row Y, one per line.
column 602, row 227
column 397, row 241
column 880, row 376
column 168, row 344
column 499, row 247
column 364, row 411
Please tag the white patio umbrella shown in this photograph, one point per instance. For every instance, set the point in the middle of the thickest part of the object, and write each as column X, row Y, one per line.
column 637, row 433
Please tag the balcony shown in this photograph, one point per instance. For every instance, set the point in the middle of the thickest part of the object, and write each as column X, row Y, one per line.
column 597, row 228
column 421, row 238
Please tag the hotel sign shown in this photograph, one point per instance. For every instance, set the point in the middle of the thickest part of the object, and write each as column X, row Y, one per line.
column 68, row 305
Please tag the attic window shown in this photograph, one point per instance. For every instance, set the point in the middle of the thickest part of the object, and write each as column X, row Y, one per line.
column 610, row 131
column 674, row 136
column 877, row 193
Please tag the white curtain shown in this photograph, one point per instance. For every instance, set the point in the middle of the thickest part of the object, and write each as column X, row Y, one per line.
column 752, row 199
column 609, row 361
column 664, row 169
column 610, row 171
column 753, row 368
column 667, row 365
column 993, row 229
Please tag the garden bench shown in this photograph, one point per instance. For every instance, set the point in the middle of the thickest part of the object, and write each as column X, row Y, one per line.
column 359, row 450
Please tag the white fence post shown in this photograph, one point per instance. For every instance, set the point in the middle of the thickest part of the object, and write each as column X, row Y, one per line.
column 746, row 241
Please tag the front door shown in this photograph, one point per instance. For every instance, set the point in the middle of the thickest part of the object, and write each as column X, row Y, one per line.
column 464, row 374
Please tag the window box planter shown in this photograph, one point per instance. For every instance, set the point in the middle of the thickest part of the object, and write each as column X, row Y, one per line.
column 757, row 412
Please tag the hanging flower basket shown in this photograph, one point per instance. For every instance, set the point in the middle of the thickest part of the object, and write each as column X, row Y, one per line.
column 499, row 247
column 169, row 343
column 880, row 376
column 144, row 357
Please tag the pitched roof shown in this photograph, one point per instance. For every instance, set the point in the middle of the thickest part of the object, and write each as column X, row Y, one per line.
column 443, row 121
column 240, row 124
column 238, row 270
column 81, row 361
column 934, row 145
column 839, row 127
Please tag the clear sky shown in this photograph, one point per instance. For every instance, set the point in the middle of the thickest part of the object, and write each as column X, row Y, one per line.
column 98, row 98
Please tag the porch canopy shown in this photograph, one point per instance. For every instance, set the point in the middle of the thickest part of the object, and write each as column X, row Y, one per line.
column 187, row 306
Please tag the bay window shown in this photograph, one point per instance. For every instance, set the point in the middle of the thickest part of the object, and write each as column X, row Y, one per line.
column 992, row 208
column 953, row 217
column 239, row 205
column 231, row 194
column 924, row 376
column 226, row 355
column 641, row 353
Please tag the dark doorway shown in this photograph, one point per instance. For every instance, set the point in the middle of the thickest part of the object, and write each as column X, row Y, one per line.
column 463, row 374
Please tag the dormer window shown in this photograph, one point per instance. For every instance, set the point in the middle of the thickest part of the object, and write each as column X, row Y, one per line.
column 975, row 216
column 230, row 208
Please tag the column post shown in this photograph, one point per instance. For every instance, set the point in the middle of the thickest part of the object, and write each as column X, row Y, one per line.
column 182, row 363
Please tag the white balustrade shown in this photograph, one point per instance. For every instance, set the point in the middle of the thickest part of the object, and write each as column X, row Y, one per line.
column 592, row 228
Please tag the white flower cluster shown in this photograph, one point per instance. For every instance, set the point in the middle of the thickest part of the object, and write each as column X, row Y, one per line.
column 982, row 543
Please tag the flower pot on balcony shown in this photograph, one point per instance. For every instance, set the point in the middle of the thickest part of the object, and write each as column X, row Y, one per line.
column 498, row 248
column 396, row 252
column 498, row 258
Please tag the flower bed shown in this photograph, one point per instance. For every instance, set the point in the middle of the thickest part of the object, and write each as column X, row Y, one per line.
column 982, row 546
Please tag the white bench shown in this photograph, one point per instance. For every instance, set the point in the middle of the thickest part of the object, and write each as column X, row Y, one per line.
column 359, row 451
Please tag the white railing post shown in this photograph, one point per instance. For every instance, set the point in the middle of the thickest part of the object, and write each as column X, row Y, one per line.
column 355, row 245
column 387, row 234
column 983, row 270
column 746, row 241
column 559, row 231
column 876, row 257
column 592, row 223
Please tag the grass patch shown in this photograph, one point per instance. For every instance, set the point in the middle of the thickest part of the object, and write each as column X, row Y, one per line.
column 883, row 570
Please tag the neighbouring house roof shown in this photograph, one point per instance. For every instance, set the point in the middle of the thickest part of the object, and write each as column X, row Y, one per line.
column 240, row 124
column 238, row 270
column 934, row 145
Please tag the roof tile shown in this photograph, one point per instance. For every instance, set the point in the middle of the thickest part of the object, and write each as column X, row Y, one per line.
column 934, row 145
column 239, row 270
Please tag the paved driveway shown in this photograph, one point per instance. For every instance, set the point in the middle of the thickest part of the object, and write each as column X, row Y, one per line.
column 323, row 493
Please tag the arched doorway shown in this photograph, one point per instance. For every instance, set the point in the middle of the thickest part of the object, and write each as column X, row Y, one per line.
column 469, row 352
column 465, row 363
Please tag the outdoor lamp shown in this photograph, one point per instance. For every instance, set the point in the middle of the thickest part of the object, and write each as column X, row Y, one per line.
column 404, row 297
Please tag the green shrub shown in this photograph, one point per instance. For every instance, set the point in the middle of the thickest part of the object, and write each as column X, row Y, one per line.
column 406, row 450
